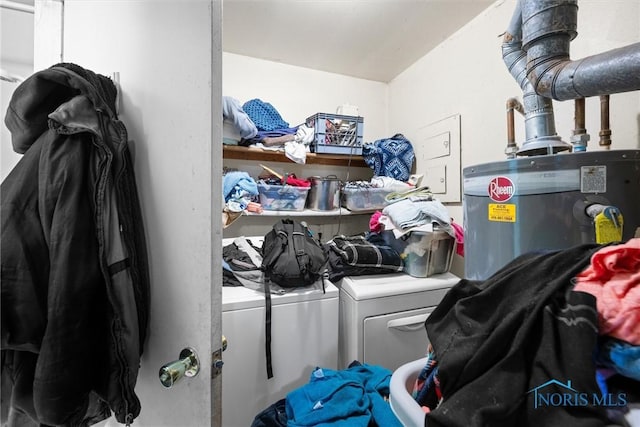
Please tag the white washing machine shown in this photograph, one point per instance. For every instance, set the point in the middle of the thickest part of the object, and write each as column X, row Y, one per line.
column 304, row 335
column 382, row 317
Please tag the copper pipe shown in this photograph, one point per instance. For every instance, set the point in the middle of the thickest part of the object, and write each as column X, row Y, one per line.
column 605, row 131
column 579, row 117
column 579, row 138
column 512, row 104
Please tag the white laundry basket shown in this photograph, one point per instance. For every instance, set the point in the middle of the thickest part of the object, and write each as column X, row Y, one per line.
column 403, row 405
column 409, row 412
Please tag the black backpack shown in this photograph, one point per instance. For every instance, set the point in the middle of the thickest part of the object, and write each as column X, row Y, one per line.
column 291, row 256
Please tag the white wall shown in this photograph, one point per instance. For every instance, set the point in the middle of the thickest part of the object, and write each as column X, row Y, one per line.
column 16, row 59
column 298, row 92
column 8, row 157
column 466, row 75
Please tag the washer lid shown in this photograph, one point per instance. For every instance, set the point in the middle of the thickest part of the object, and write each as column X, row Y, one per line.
column 382, row 285
column 239, row 297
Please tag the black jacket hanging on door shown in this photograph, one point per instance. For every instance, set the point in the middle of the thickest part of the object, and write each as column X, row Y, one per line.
column 75, row 284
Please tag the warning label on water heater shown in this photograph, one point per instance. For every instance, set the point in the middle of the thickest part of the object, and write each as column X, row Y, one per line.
column 593, row 179
column 501, row 212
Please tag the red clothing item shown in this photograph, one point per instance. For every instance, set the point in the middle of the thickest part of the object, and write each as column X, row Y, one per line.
column 374, row 224
column 459, row 238
column 614, row 279
column 292, row 180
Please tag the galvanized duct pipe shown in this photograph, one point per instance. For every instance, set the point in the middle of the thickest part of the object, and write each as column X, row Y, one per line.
column 540, row 128
column 548, row 26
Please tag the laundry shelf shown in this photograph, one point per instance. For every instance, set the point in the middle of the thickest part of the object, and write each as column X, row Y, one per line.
column 251, row 153
column 307, row 212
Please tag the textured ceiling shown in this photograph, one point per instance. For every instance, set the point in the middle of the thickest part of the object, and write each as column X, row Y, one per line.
column 369, row 39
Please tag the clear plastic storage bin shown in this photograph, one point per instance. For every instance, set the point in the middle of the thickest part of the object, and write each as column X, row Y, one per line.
column 364, row 198
column 282, row 197
column 424, row 253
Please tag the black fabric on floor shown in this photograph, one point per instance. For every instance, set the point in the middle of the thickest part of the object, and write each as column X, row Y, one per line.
column 273, row 416
column 500, row 339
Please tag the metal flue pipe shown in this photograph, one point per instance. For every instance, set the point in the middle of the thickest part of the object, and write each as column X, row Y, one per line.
column 548, row 26
column 540, row 128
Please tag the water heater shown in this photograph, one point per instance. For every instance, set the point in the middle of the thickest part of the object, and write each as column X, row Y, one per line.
column 542, row 203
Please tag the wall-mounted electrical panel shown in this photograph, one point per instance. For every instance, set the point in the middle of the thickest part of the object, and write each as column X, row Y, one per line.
column 437, row 151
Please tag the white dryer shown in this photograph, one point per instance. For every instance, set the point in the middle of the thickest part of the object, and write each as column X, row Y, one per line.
column 304, row 335
column 382, row 317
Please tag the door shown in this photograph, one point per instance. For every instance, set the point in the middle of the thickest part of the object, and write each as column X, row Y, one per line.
column 168, row 57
